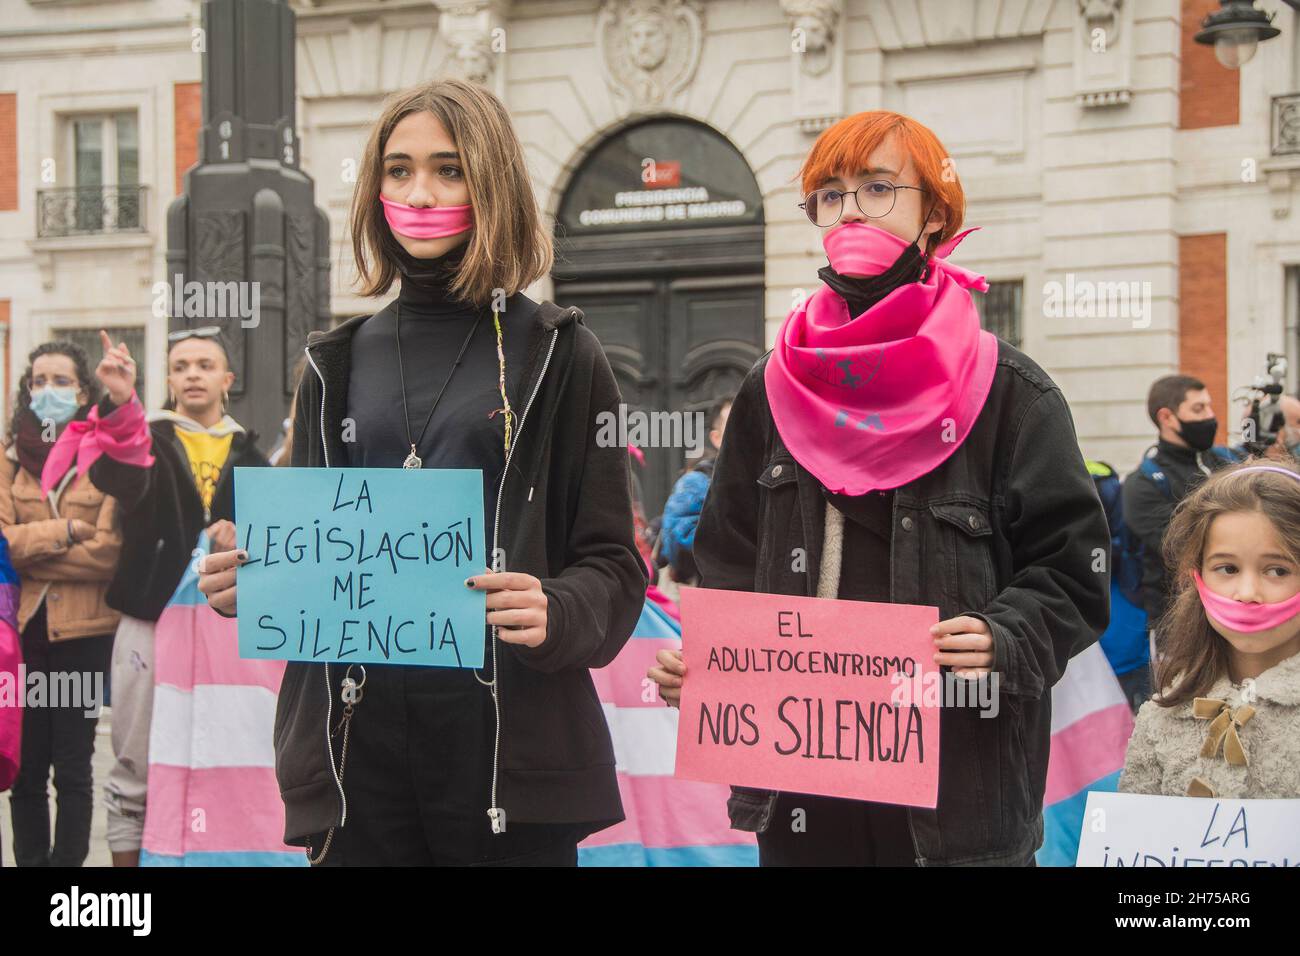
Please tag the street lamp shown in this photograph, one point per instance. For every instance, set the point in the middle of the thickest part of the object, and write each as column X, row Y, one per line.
column 1236, row 29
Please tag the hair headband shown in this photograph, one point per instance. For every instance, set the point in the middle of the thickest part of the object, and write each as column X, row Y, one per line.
column 1281, row 471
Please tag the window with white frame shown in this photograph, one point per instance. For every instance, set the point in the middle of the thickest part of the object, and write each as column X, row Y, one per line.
column 88, row 339
column 102, row 152
column 1001, row 309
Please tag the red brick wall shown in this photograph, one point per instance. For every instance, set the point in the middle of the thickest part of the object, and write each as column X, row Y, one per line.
column 1203, row 319
column 1208, row 92
column 8, row 152
column 189, row 117
column 5, row 397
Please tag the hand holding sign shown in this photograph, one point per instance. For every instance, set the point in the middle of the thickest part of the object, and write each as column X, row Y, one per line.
column 668, row 673
column 221, row 534
column 217, row 579
column 965, row 644
column 516, row 605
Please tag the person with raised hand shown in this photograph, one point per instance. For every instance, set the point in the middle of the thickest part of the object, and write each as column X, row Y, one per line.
column 176, row 464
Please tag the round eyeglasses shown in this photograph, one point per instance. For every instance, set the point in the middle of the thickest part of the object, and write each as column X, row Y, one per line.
column 875, row 200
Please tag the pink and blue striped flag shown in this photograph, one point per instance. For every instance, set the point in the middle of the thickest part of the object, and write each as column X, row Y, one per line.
column 213, row 797
column 670, row 822
column 13, row 695
column 674, row 822
column 1091, row 725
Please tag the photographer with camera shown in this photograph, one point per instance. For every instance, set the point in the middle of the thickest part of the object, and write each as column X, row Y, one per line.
column 1288, row 440
column 1179, row 406
column 1270, row 424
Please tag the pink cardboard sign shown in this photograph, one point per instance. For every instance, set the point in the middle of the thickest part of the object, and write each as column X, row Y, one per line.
column 809, row 696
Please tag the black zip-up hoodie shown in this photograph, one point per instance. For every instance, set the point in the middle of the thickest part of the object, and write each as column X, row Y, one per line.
column 162, row 514
column 563, row 514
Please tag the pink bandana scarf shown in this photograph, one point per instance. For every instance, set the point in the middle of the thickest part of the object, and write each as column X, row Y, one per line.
column 123, row 435
column 874, row 401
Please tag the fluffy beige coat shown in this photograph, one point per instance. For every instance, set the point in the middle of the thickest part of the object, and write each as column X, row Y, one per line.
column 1165, row 751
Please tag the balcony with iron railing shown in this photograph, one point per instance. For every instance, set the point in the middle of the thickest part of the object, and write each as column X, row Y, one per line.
column 90, row 210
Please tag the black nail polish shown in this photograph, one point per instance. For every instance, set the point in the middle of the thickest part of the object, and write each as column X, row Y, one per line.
column 469, row 582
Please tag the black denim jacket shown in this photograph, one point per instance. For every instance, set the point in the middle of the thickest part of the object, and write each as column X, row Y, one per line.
column 1009, row 529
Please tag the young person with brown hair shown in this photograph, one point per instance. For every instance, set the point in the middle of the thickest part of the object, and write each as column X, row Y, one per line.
column 1226, row 722
column 514, row 764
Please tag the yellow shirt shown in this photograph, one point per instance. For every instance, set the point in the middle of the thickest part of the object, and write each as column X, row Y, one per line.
column 207, row 454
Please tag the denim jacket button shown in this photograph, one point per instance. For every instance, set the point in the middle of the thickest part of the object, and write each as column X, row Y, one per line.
column 907, row 524
column 974, row 522
column 776, row 471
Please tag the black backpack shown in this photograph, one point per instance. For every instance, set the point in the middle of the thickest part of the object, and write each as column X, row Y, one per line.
column 1125, row 546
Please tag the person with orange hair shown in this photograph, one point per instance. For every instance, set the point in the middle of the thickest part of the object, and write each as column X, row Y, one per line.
column 910, row 457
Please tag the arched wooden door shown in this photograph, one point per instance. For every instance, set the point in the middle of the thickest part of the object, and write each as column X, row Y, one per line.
column 660, row 243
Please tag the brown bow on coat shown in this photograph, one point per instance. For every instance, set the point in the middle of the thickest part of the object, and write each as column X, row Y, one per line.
column 1224, row 724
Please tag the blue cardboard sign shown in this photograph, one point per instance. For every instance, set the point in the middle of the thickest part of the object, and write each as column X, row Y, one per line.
column 361, row 565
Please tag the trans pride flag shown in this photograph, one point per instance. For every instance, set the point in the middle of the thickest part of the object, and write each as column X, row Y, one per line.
column 213, row 797
column 11, row 658
column 674, row 822
column 669, row 822
column 1091, row 725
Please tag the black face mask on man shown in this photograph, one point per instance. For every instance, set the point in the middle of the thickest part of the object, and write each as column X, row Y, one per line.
column 1198, row 435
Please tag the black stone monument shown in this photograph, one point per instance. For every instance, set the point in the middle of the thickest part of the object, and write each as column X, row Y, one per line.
column 246, row 227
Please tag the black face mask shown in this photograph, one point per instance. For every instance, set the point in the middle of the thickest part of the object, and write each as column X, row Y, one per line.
column 862, row 292
column 1198, row 435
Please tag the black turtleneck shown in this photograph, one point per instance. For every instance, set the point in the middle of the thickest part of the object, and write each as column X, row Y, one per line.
column 433, row 327
column 433, row 727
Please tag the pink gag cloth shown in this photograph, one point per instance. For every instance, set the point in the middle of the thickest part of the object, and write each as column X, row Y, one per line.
column 434, row 222
column 123, row 435
column 875, row 401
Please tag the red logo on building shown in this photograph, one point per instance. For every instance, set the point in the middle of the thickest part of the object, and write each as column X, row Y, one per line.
column 658, row 175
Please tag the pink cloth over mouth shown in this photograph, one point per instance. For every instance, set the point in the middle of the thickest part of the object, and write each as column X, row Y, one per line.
column 432, row 222
column 123, row 435
column 874, row 401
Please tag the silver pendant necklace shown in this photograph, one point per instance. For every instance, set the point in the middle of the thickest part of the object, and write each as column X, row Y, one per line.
column 413, row 460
